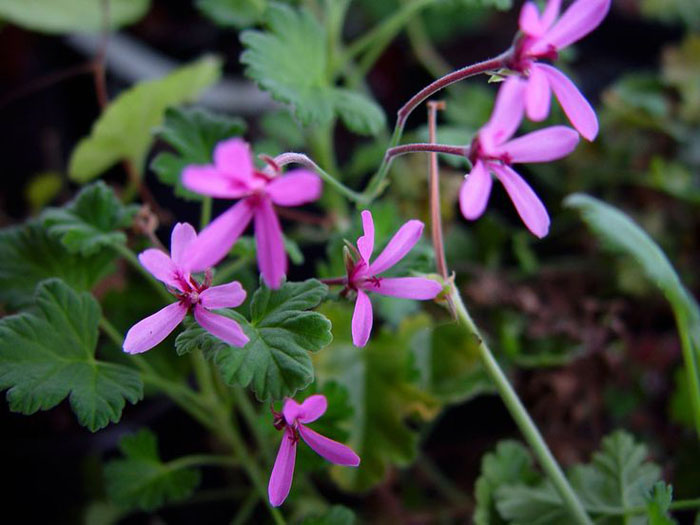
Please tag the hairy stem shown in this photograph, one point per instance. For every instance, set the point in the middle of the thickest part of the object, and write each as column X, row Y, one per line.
column 136, row 265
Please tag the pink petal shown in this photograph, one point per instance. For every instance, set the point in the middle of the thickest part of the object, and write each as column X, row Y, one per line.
column 328, row 449
column 365, row 243
column 362, row 319
column 529, row 206
column 309, row 410
column 224, row 296
column 150, row 331
column 507, row 114
column 529, row 21
column 550, row 14
column 283, row 470
column 161, row 266
column 475, row 191
column 418, row 288
column 582, row 17
column 295, row 188
column 209, row 180
column 215, row 241
column 222, row 327
column 543, row 145
column 574, row 104
column 538, row 95
column 182, row 237
column 399, row 245
column 272, row 258
column 232, row 157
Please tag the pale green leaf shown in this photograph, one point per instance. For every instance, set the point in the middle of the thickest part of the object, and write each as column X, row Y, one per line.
column 358, row 113
column 658, row 504
column 233, row 13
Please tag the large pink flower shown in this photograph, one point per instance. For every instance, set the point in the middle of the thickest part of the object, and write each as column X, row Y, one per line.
column 233, row 176
column 493, row 152
column 293, row 420
column 175, row 272
column 364, row 276
column 544, row 37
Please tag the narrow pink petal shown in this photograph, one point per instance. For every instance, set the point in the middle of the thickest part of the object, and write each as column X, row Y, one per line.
column 147, row 333
column 223, row 296
column 362, row 319
column 574, row 104
column 161, row 266
column 233, row 158
column 295, row 188
column 529, row 21
column 418, row 288
column 507, row 114
column 222, row 327
column 272, row 258
column 529, row 206
column 310, row 410
column 365, row 243
column 209, row 180
column 215, row 241
column 283, row 470
column 475, row 191
column 543, row 145
column 538, row 95
column 582, row 17
column 550, row 14
column 328, row 449
column 182, row 237
column 399, row 245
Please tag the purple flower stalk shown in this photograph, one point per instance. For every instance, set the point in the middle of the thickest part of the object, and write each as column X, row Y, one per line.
column 293, row 420
column 233, row 176
column 493, row 151
column 544, row 36
column 363, row 276
column 175, row 272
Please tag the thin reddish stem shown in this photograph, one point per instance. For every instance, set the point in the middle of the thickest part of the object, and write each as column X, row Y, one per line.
column 435, row 215
column 334, row 281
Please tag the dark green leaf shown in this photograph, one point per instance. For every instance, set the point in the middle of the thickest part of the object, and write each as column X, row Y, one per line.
column 658, row 503
column 233, row 13
column 49, row 354
column 336, row 515
column 359, row 114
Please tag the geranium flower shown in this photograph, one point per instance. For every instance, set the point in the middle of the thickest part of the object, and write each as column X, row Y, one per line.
column 364, row 276
column 233, row 176
column 293, row 420
column 544, row 37
column 175, row 272
column 492, row 152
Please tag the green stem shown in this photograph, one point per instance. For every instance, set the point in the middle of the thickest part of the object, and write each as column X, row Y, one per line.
column 251, row 418
column 692, row 367
column 205, row 212
column 136, row 265
column 111, row 332
column 202, row 371
column 203, row 460
column 245, row 509
column 223, row 274
column 522, row 418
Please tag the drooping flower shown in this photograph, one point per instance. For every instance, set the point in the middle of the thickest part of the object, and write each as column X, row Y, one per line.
column 233, row 176
column 175, row 271
column 364, row 276
column 293, row 420
column 492, row 152
column 544, row 37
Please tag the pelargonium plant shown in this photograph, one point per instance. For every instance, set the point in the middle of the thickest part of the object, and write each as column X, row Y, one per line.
column 321, row 311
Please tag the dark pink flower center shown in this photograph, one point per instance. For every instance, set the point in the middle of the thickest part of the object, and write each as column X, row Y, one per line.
column 190, row 289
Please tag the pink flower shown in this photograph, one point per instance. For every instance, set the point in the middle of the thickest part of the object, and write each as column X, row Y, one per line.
column 293, row 420
column 363, row 276
column 233, row 176
column 493, row 152
column 174, row 271
column 544, row 37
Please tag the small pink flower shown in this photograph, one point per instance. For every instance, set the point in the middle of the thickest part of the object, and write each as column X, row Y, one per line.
column 233, row 176
column 174, row 271
column 544, row 37
column 363, row 276
column 293, row 420
column 492, row 151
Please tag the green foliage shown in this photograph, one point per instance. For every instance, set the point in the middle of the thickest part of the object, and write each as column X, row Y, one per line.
column 141, row 479
column 68, row 16
column 681, row 69
column 290, row 61
column 29, row 255
column 658, row 503
column 91, row 221
column 275, row 363
column 124, row 130
column 42, row 189
column 194, row 133
column 336, row 515
column 233, row 13
column 48, row 354
column 673, row 11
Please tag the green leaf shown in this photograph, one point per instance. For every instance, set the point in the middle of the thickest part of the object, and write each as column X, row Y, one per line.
column 42, row 189
column 29, row 255
column 194, row 133
column 48, row 354
column 275, row 363
column 68, row 16
column 233, row 13
column 336, row 515
column 658, row 504
column 360, row 114
column 141, row 480
column 91, row 221
column 124, row 131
